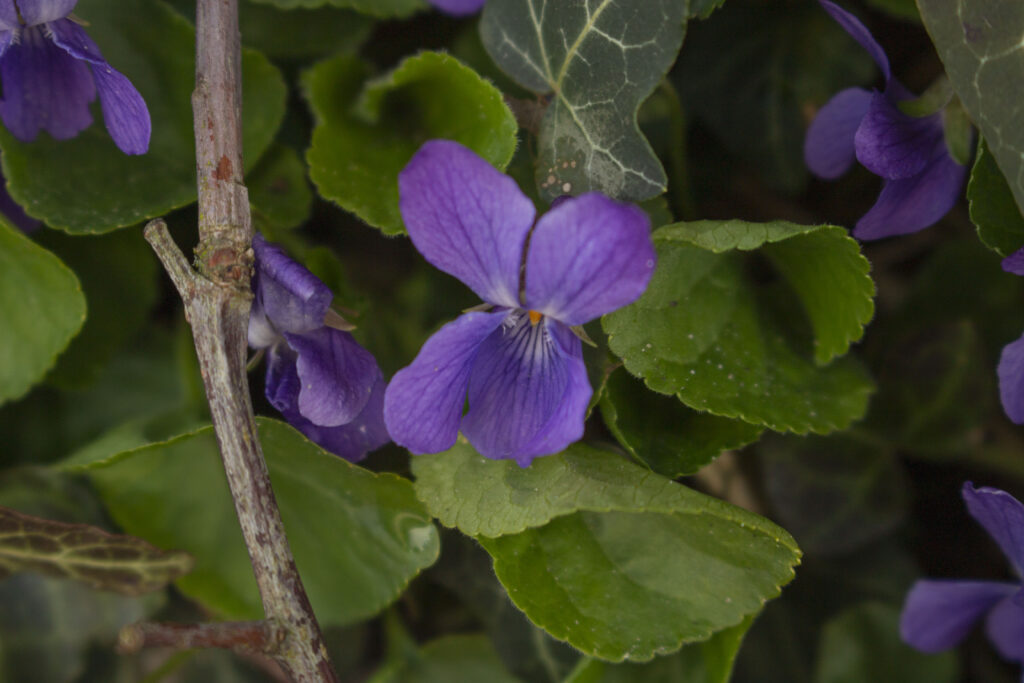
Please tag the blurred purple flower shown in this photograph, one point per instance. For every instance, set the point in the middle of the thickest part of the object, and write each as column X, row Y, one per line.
column 324, row 383
column 1011, row 362
column 458, row 8
column 922, row 180
column 938, row 614
column 520, row 364
column 51, row 70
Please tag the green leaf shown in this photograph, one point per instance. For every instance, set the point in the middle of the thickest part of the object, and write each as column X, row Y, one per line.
column 122, row 564
column 600, row 61
column 301, row 33
column 979, row 42
column 994, row 213
column 341, row 520
column 707, row 662
column 119, row 277
column 901, row 9
column 278, row 190
column 361, row 142
column 451, row 659
column 863, row 644
column 704, row 332
column 377, row 8
column 670, row 438
column 616, row 560
column 41, row 309
column 87, row 185
column 702, row 9
column 753, row 74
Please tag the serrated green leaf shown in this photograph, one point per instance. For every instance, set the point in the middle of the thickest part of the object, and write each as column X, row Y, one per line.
column 862, row 644
column 278, row 190
column 752, row 74
column 361, row 142
column 701, row 332
column 118, row 273
column 606, row 555
column 41, row 308
column 994, row 212
column 301, row 33
column 707, row 662
column 600, row 60
column 358, row 537
column 451, row 659
column 87, row 185
column 979, row 43
column 85, row 553
column 377, row 8
column 670, row 438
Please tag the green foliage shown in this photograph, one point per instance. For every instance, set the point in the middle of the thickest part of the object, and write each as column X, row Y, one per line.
column 705, row 332
column 358, row 537
column 618, row 561
column 87, row 185
column 122, row 564
column 979, row 44
column 994, row 213
column 278, row 190
column 862, row 644
column 41, row 309
column 377, row 8
column 668, row 437
column 599, row 61
column 367, row 131
column 323, row 31
column 451, row 659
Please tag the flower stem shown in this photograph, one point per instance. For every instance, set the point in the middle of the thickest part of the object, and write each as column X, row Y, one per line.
column 217, row 300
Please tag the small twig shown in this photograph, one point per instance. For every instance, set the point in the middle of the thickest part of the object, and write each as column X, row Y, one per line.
column 240, row 636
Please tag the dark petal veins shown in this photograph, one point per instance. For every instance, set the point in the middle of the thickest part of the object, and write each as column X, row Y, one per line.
column 828, row 147
column 1002, row 516
column 893, row 145
column 44, row 88
column 424, row 401
column 938, row 614
column 528, row 391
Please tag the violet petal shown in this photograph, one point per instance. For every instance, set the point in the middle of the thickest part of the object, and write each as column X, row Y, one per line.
column 44, row 88
column 912, row 204
column 828, row 147
column 1002, row 516
column 938, row 614
column 1011, row 380
column 528, row 391
column 458, row 8
column 281, row 385
column 588, row 256
column 292, row 298
column 1014, row 263
column 466, row 218
column 41, row 11
column 892, row 144
column 124, row 111
column 337, row 375
column 1005, row 628
column 8, row 16
column 424, row 401
column 860, row 33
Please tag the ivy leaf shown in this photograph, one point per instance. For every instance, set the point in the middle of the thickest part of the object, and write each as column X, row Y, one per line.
column 278, row 190
column 670, row 438
column 979, row 42
column 994, row 213
column 700, row 331
column 598, row 60
column 102, row 560
column 87, row 185
column 340, row 520
column 366, row 132
column 377, row 8
column 604, row 554
column 41, row 309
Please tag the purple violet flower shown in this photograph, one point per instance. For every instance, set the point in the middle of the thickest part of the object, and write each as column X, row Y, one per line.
column 922, row 180
column 324, row 383
column 519, row 365
column 1011, row 361
column 938, row 614
column 458, row 8
column 51, row 70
